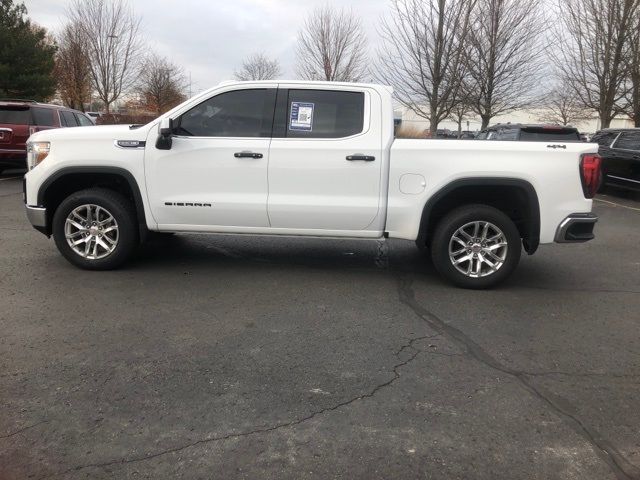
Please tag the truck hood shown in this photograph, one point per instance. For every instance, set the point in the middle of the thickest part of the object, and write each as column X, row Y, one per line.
column 99, row 132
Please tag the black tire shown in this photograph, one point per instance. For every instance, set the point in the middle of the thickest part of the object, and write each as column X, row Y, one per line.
column 451, row 224
column 119, row 208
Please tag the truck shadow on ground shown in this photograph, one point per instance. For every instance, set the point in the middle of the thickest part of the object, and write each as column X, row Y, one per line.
column 186, row 252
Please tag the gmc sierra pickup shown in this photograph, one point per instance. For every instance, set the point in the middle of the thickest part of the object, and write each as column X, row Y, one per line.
column 312, row 159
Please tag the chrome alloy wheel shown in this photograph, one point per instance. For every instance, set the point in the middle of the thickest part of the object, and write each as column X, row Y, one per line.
column 91, row 231
column 478, row 249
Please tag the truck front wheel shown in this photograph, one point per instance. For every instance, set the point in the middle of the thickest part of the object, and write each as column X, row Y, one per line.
column 95, row 229
column 476, row 246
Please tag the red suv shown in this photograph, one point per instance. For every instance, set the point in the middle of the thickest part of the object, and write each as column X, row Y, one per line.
column 21, row 118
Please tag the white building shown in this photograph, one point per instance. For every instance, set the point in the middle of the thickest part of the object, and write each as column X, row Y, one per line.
column 411, row 120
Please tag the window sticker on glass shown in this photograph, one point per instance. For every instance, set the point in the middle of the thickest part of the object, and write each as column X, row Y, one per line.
column 301, row 116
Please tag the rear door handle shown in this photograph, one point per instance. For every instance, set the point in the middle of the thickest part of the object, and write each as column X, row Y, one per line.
column 359, row 156
column 247, row 155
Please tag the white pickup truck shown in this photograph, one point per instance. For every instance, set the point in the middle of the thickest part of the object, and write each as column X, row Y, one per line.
column 306, row 159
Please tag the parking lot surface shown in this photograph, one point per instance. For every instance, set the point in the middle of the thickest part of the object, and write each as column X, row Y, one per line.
column 252, row 357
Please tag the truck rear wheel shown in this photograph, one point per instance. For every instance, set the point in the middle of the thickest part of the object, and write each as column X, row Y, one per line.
column 95, row 229
column 476, row 246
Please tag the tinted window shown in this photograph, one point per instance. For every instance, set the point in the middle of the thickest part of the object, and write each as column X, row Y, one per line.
column 324, row 113
column 43, row 117
column 83, row 121
column 628, row 141
column 15, row 116
column 68, row 119
column 241, row 113
column 549, row 135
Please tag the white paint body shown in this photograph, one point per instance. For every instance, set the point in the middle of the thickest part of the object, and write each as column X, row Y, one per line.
column 305, row 186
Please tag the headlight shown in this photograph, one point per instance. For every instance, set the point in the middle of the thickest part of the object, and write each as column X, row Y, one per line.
column 37, row 152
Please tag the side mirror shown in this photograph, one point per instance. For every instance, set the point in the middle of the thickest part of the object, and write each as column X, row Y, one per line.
column 165, row 132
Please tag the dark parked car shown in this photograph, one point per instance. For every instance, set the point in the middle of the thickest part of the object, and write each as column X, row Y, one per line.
column 530, row 133
column 21, row 118
column 620, row 152
column 467, row 135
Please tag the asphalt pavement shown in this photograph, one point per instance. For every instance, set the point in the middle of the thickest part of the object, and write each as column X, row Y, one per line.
column 220, row 357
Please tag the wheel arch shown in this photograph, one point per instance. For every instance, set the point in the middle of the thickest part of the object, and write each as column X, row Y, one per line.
column 514, row 196
column 67, row 180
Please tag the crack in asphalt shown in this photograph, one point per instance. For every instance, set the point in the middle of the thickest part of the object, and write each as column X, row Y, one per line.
column 381, row 259
column 293, row 423
column 23, row 429
column 621, row 467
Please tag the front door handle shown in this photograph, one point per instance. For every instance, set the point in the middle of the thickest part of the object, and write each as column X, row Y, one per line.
column 359, row 156
column 247, row 155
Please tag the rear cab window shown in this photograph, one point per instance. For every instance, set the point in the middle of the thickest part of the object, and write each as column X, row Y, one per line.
column 542, row 134
column 324, row 113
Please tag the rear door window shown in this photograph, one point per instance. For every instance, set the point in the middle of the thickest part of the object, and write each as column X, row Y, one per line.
column 68, row 118
column 15, row 115
column 324, row 114
column 628, row 141
column 43, row 117
column 83, row 121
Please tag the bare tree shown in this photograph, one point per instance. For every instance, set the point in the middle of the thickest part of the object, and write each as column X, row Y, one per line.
column 332, row 46
column 72, row 69
column 633, row 72
column 258, row 67
column 463, row 109
column 561, row 106
column 161, row 84
column 422, row 55
column 111, row 31
column 505, row 55
column 594, row 36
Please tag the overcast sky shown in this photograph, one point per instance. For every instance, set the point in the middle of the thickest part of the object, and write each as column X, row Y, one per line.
column 210, row 38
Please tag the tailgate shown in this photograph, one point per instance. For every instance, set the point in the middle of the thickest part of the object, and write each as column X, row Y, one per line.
column 14, row 126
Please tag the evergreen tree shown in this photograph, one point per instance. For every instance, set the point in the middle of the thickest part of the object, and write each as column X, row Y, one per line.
column 26, row 55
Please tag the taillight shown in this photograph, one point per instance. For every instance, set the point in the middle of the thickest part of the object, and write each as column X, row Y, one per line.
column 590, row 173
column 33, row 130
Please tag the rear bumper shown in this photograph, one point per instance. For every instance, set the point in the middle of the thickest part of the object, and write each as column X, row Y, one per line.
column 576, row 228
